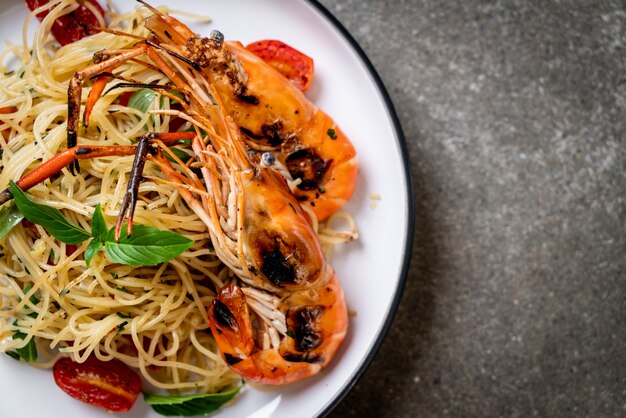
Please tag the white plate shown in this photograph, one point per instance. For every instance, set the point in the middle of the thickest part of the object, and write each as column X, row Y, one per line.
column 372, row 270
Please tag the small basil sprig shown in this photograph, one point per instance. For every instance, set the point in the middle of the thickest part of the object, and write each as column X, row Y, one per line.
column 191, row 405
column 146, row 246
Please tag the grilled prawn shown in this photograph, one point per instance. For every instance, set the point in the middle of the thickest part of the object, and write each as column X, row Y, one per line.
column 286, row 317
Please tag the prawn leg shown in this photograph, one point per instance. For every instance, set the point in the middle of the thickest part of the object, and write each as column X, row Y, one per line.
column 65, row 159
column 145, row 147
column 102, row 79
column 74, row 93
column 101, row 71
column 96, row 90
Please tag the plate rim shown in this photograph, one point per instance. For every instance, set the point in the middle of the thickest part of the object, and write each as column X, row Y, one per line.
column 394, row 304
column 408, row 244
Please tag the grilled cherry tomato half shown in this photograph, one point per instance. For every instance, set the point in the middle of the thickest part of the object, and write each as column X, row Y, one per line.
column 73, row 26
column 291, row 63
column 108, row 384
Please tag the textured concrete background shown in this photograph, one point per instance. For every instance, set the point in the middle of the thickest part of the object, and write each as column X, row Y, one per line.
column 515, row 118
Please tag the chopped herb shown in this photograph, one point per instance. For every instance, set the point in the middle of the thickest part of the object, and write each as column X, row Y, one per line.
column 123, row 289
column 114, row 275
column 64, row 291
column 331, row 133
column 321, row 188
column 121, row 327
column 13, row 354
column 21, row 74
column 122, row 315
column 53, row 255
column 10, row 72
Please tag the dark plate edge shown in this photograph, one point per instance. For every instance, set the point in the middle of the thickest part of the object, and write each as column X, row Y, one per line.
column 408, row 246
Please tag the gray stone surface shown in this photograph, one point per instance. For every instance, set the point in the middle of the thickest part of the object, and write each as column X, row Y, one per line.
column 515, row 118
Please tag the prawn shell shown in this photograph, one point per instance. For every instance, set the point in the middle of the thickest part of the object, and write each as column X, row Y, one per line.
column 278, row 238
column 286, row 119
column 326, row 322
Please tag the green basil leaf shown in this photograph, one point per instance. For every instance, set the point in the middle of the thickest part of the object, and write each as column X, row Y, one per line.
column 146, row 246
column 28, row 353
column 92, row 249
column 50, row 218
column 98, row 226
column 181, row 154
column 192, row 129
column 191, row 405
column 9, row 217
column 141, row 99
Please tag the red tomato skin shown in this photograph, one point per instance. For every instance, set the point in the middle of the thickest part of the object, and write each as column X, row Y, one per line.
column 108, row 384
column 73, row 26
column 291, row 63
column 70, row 249
column 125, row 98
